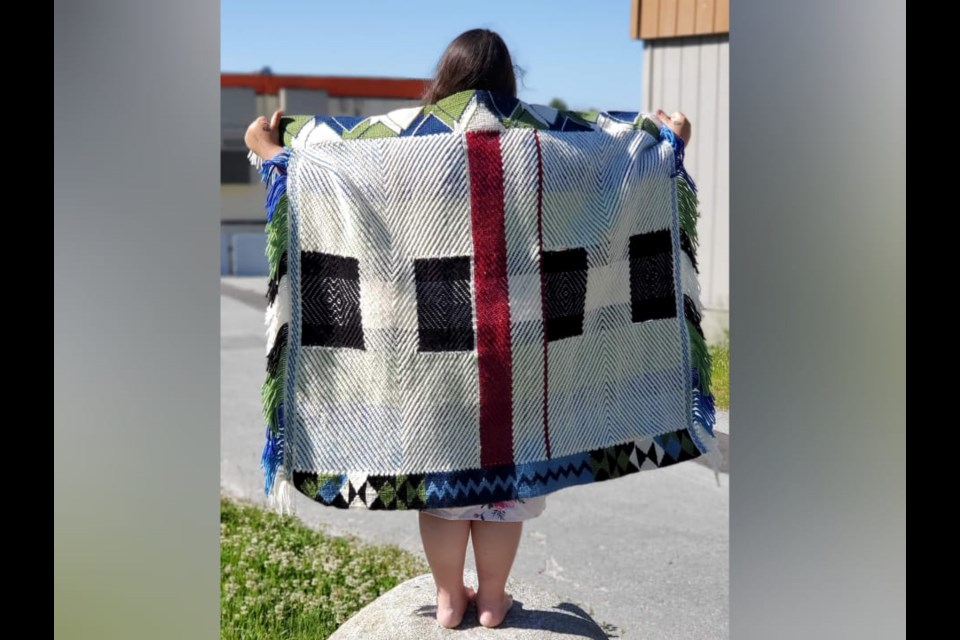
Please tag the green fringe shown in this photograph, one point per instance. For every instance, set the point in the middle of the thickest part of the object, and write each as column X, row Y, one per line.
column 272, row 394
column 700, row 358
column 688, row 206
column 277, row 236
column 277, row 230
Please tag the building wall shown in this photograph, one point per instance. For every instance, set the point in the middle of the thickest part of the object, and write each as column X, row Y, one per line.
column 238, row 107
column 242, row 214
column 692, row 75
column 652, row 19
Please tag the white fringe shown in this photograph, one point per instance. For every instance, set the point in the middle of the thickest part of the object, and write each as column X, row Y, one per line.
column 278, row 313
column 715, row 458
column 255, row 160
column 713, row 455
column 281, row 493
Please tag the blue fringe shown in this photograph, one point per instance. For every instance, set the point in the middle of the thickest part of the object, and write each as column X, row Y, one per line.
column 272, row 456
column 274, row 174
column 704, row 410
column 276, row 164
column 668, row 135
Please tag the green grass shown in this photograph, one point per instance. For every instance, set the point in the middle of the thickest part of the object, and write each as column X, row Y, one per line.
column 720, row 369
column 282, row 580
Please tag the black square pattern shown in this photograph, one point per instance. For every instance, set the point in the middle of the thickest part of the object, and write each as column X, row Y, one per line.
column 652, row 286
column 330, row 294
column 565, row 275
column 444, row 307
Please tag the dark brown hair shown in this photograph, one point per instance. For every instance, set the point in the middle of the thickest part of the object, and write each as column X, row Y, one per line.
column 476, row 59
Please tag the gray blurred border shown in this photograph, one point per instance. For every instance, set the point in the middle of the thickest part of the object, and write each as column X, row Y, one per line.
column 818, row 320
column 136, row 319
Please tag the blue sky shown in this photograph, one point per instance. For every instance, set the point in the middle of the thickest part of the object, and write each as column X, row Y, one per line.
column 578, row 51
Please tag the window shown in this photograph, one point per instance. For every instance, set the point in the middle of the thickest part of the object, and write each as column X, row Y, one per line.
column 234, row 167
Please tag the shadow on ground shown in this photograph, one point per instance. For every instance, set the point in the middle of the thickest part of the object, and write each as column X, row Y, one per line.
column 565, row 618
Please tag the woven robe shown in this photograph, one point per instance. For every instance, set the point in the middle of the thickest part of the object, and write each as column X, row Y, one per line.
column 480, row 300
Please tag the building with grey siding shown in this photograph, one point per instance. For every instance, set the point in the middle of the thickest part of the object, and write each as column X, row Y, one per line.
column 243, row 97
column 686, row 67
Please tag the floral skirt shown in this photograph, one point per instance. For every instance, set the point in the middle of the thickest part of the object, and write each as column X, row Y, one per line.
column 506, row 511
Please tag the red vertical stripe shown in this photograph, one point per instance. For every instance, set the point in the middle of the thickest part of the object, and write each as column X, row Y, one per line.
column 543, row 288
column 492, row 298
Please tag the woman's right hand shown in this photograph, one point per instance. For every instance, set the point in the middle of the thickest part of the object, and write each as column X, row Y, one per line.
column 263, row 136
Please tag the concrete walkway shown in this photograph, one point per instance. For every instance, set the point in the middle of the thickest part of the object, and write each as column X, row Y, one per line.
column 648, row 552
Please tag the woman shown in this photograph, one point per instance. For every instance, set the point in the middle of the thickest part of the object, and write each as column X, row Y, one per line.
column 477, row 59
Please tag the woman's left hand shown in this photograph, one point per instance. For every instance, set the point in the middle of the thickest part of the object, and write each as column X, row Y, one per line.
column 263, row 136
column 678, row 122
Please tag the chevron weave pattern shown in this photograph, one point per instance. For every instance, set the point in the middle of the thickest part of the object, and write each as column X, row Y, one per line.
column 480, row 300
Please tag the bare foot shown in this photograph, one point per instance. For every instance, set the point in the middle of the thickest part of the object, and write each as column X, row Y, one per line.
column 491, row 614
column 450, row 607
